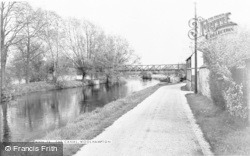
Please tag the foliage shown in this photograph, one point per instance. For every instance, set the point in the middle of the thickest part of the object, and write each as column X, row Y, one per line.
column 222, row 55
column 234, row 99
column 12, row 24
column 216, row 90
column 227, row 134
column 39, row 44
column 90, row 50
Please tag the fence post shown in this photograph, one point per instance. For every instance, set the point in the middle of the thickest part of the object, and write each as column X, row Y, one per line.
column 248, row 86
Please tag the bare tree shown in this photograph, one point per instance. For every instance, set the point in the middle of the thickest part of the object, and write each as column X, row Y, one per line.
column 52, row 35
column 75, row 48
column 30, row 37
column 115, row 54
column 11, row 25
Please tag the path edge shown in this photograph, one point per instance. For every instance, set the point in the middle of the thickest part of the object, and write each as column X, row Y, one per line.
column 205, row 147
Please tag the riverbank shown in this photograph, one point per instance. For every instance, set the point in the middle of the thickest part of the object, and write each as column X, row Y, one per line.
column 23, row 89
column 89, row 125
column 225, row 134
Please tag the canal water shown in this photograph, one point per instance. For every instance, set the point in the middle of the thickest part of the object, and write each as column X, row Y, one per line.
column 32, row 116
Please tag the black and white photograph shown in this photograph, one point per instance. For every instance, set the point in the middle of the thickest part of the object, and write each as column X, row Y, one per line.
column 125, row 78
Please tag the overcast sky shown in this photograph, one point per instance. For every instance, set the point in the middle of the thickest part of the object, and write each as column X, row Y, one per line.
column 156, row 29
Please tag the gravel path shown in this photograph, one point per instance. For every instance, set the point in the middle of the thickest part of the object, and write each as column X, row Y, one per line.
column 161, row 125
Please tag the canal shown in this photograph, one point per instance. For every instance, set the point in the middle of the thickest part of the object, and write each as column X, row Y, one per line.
column 32, row 116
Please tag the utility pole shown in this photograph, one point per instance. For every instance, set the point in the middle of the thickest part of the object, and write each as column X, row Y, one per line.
column 195, row 51
column 1, row 50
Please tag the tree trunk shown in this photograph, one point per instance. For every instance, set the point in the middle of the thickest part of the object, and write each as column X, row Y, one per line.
column 3, row 73
column 2, row 47
column 83, row 76
column 107, row 79
column 55, row 61
column 54, row 79
column 6, row 128
column 27, row 62
column 27, row 72
column 54, row 74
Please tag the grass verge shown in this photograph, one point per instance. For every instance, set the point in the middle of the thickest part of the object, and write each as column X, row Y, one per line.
column 22, row 89
column 226, row 135
column 89, row 125
column 11, row 92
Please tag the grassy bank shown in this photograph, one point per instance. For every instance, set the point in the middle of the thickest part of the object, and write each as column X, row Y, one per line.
column 89, row 125
column 23, row 89
column 227, row 135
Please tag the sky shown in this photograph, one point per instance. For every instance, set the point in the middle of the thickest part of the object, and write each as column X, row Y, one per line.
column 156, row 29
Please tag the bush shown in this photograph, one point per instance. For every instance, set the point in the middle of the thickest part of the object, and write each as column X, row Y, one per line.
column 146, row 75
column 216, row 91
column 60, row 84
column 234, row 99
column 222, row 55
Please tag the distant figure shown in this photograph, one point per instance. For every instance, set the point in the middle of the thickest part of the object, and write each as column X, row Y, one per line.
column 168, row 79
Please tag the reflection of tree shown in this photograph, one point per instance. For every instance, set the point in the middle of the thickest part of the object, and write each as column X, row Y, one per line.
column 84, row 107
column 55, row 109
column 6, row 129
column 85, row 97
column 28, row 109
column 84, row 101
column 33, row 108
column 145, row 82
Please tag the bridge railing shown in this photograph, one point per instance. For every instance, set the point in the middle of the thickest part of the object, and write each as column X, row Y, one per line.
column 161, row 67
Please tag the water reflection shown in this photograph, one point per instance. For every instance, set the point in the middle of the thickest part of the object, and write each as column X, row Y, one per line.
column 34, row 115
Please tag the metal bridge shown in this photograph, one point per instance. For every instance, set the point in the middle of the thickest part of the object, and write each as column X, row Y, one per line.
column 160, row 67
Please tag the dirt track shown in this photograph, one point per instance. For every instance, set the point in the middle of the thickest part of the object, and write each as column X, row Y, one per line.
column 161, row 125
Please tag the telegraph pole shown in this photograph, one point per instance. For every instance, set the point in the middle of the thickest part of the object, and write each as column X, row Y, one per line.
column 195, row 51
column 1, row 51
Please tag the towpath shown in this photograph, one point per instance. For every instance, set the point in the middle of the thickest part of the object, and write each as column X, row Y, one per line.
column 161, row 125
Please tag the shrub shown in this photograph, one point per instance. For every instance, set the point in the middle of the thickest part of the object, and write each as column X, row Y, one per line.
column 60, row 84
column 222, row 55
column 234, row 99
column 216, row 90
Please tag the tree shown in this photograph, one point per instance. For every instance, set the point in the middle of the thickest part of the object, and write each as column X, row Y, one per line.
column 53, row 34
column 30, row 44
column 115, row 54
column 80, row 44
column 11, row 25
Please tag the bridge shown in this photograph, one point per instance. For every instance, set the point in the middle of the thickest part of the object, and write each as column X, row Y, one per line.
column 160, row 67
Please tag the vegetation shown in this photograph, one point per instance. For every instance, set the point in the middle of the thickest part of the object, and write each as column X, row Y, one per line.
column 39, row 45
column 146, row 75
column 226, row 134
column 89, row 125
column 223, row 55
